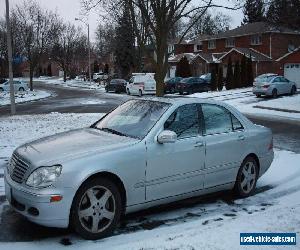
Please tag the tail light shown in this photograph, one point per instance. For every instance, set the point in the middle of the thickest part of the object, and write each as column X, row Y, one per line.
column 266, row 86
column 271, row 145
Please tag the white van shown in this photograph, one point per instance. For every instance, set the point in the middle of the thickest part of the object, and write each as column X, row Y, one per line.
column 141, row 84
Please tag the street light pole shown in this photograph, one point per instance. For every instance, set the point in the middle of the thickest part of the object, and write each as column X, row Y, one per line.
column 89, row 47
column 9, row 50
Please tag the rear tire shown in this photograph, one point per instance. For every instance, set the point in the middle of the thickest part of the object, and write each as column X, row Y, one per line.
column 21, row 89
column 258, row 96
column 293, row 90
column 140, row 93
column 1, row 89
column 274, row 93
column 128, row 91
column 96, row 209
column 246, row 178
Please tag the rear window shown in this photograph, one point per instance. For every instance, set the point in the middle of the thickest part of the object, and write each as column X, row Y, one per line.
column 264, row 79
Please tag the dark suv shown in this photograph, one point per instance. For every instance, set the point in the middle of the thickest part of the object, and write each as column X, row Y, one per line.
column 116, row 85
column 192, row 85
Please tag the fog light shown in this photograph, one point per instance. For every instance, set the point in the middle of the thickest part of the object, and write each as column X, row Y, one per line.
column 56, row 198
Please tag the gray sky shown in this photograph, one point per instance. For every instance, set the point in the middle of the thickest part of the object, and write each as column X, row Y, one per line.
column 69, row 9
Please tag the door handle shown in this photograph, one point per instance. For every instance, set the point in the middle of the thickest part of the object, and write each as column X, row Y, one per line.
column 199, row 144
column 241, row 137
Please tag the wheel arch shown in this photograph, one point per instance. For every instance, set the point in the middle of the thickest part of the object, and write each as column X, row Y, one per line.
column 112, row 177
column 255, row 157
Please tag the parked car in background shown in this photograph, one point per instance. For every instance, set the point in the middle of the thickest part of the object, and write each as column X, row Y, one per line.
column 206, row 77
column 141, row 84
column 192, row 85
column 145, row 153
column 100, row 77
column 273, row 85
column 116, row 85
column 18, row 85
column 170, row 84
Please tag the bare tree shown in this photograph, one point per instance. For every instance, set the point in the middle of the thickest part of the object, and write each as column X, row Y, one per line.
column 69, row 46
column 158, row 18
column 34, row 29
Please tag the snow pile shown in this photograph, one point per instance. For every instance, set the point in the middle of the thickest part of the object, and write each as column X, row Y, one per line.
column 74, row 83
column 244, row 100
column 23, row 96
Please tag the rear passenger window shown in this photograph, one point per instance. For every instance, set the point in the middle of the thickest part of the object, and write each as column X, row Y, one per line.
column 216, row 119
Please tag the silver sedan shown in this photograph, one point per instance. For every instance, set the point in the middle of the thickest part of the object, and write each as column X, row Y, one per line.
column 144, row 153
column 273, row 85
column 18, row 86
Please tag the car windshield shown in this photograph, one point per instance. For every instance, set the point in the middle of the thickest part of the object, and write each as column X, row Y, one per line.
column 134, row 118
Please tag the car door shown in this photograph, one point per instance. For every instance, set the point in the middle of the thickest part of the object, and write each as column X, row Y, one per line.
column 278, row 84
column 177, row 168
column 286, row 86
column 224, row 137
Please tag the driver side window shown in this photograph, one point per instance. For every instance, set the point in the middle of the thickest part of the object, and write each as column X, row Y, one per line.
column 184, row 121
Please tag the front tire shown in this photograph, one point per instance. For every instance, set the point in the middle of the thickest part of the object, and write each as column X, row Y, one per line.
column 140, row 93
column 96, row 209
column 1, row 89
column 246, row 178
column 274, row 93
column 258, row 95
column 293, row 90
column 128, row 91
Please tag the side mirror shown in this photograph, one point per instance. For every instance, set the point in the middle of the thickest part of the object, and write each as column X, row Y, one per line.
column 167, row 136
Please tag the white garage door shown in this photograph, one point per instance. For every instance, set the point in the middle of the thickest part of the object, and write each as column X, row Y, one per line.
column 292, row 72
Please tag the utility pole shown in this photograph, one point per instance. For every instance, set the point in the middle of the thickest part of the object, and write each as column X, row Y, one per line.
column 89, row 47
column 9, row 50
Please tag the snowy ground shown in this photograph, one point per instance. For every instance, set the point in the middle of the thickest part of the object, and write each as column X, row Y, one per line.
column 23, row 96
column 75, row 83
column 207, row 223
column 244, row 100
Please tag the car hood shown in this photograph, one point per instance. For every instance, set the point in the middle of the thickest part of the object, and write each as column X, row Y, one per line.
column 69, row 145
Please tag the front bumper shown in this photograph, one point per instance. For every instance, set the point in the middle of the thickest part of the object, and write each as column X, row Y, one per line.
column 35, row 205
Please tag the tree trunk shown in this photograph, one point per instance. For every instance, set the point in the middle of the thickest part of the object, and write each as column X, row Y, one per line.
column 65, row 75
column 31, row 77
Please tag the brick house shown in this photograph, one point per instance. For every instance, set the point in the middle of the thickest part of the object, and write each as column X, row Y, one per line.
column 272, row 49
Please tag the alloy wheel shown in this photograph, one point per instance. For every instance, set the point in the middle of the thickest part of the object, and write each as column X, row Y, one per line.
column 248, row 177
column 97, row 209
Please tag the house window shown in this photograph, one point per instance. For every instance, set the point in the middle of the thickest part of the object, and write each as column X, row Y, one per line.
column 198, row 47
column 230, row 43
column 256, row 40
column 212, row 44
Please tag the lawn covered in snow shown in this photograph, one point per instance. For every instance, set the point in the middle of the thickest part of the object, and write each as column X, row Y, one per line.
column 206, row 223
column 23, row 96
column 245, row 101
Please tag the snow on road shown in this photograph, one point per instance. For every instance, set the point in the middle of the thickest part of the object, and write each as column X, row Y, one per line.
column 207, row 223
column 24, row 96
column 244, row 100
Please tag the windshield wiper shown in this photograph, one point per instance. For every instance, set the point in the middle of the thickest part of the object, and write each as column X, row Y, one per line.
column 115, row 132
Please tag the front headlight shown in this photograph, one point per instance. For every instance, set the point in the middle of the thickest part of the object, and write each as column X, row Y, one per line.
column 44, row 176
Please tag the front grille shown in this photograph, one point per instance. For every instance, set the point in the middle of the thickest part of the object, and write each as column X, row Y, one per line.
column 18, row 168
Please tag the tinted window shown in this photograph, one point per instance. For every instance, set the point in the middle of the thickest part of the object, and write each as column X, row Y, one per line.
column 184, row 121
column 216, row 119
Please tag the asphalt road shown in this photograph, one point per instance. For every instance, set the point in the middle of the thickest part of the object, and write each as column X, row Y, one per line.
column 68, row 100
